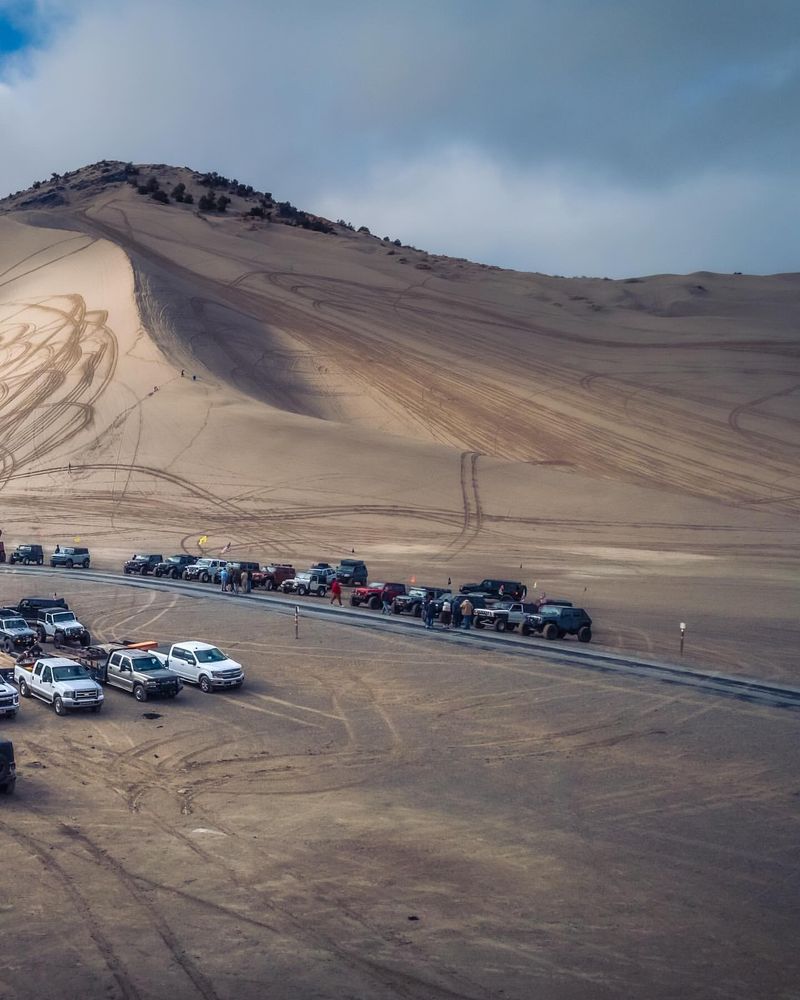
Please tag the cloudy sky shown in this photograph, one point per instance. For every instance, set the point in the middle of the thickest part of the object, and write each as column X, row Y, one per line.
column 603, row 137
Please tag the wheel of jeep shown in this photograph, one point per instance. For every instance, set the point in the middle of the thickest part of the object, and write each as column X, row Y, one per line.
column 69, row 564
column 269, row 584
column 374, row 603
column 26, row 561
column 139, row 693
column 175, row 574
column 85, row 563
column 204, row 577
column 396, row 609
column 40, row 562
column 479, row 623
column 86, row 640
column 184, row 575
column 301, row 590
column 525, row 628
column 322, row 591
column 8, row 645
column 143, row 571
column 499, row 625
column 550, row 631
column 353, row 602
column 41, row 634
column 205, row 684
column 58, row 706
column 584, row 634
column 59, row 639
column 126, row 571
column 23, row 690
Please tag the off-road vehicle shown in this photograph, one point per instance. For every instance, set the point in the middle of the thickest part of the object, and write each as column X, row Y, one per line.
column 504, row 616
column 71, row 555
column 554, row 621
column 8, row 767
column 509, row 590
column 16, row 634
column 306, row 583
column 203, row 569
column 28, row 555
column 9, row 699
column 411, row 603
column 371, row 595
column 62, row 627
column 62, row 683
column 142, row 564
column 352, row 572
column 173, row 566
column 272, row 576
column 231, row 567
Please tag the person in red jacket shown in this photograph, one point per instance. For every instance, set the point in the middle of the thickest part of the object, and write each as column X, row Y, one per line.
column 336, row 592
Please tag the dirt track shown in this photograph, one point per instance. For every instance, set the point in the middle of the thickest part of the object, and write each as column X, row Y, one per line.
column 554, row 833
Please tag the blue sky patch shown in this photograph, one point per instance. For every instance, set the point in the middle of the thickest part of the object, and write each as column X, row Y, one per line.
column 12, row 39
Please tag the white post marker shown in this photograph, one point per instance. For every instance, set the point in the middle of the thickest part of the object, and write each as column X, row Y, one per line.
column 683, row 633
column 297, row 621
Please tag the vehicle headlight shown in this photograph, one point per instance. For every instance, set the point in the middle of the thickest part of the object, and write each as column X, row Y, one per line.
column 69, row 694
column 151, row 684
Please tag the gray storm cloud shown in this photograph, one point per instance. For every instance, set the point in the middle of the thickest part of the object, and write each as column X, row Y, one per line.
column 577, row 137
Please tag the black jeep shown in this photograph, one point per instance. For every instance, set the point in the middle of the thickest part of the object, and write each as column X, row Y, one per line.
column 411, row 603
column 554, row 621
column 27, row 555
column 142, row 564
column 352, row 572
column 173, row 566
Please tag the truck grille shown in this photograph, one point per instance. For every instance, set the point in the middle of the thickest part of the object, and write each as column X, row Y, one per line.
column 229, row 673
column 85, row 696
column 7, row 701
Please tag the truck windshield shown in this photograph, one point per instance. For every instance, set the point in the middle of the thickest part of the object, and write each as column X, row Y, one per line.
column 70, row 673
column 212, row 655
column 13, row 623
column 147, row 663
column 63, row 616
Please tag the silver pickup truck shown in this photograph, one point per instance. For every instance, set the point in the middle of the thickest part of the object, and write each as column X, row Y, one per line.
column 504, row 616
column 135, row 670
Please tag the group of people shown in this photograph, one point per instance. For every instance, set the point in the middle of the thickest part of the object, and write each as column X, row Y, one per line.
column 235, row 580
column 452, row 614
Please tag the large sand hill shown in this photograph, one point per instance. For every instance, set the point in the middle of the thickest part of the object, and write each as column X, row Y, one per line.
column 632, row 444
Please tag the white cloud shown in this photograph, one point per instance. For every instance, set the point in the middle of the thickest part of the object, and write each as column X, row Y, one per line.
column 569, row 138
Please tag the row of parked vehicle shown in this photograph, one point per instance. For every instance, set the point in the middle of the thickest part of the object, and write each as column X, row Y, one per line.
column 34, row 555
column 274, row 576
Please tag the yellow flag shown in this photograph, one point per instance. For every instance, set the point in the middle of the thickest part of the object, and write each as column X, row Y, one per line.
column 77, row 538
column 202, row 540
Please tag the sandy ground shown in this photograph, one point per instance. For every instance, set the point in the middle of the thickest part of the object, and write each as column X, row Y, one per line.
column 379, row 816
column 630, row 444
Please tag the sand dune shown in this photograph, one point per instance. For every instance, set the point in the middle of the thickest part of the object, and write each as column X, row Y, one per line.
column 637, row 438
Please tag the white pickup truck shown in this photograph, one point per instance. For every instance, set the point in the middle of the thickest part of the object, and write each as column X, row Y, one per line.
column 504, row 616
column 62, row 683
column 203, row 664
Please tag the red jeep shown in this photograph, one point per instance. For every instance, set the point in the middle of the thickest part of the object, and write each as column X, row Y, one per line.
column 371, row 594
column 272, row 576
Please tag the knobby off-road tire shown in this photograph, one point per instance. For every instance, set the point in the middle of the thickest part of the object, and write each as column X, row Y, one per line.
column 302, row 591
column 584, row 634
column 69, row 564
column 59, row 639
column 525, row 628
column 353, row 602
column 269, row 584
column 85, row 563
column 322, row 591
column 478, row 623
column 500, row 625
column 374, row 603
column 204, row 577
column 8, row 645
column 550, row 631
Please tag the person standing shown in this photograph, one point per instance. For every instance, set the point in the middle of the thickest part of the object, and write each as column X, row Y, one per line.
column 336, row 592
column 386, row 601
column 236, row 576
column 428, row 610
column 245, row 582
column 445, row 615
column 467, row 611
column 223, row 579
